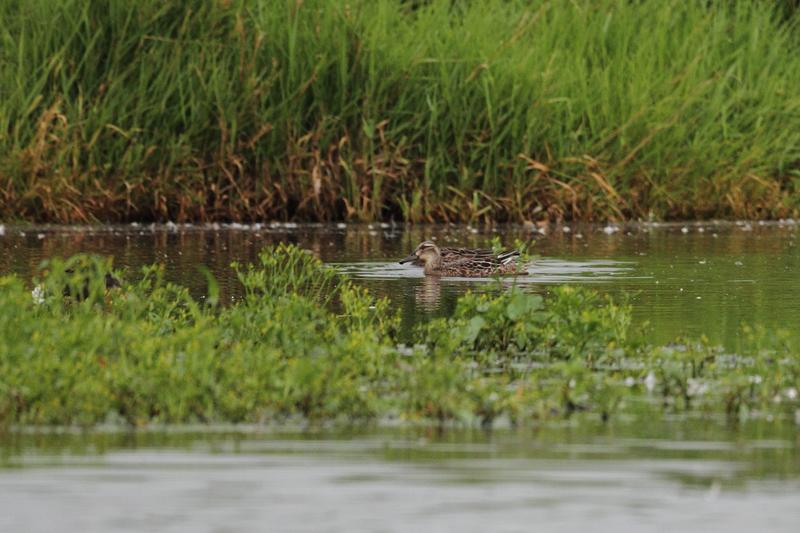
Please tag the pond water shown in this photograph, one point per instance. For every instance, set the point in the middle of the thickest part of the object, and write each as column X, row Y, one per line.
column 577, row 475
column 675, row 476
column 683, row 279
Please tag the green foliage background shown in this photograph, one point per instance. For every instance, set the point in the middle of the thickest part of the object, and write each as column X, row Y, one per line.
column 314, row 110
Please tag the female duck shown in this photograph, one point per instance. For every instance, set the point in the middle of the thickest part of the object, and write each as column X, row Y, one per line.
column 462, row 262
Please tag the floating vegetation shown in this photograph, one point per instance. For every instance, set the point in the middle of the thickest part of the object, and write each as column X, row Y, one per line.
column 251, row 110
column 305, row 342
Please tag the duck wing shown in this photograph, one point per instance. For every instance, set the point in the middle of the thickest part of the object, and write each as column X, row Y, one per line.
column 481, row 257
column 450, row 255
column 506, row 257
column 480, row 266
column 455, row 254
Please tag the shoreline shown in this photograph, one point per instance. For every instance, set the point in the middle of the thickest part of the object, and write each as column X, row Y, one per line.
column 508, row 112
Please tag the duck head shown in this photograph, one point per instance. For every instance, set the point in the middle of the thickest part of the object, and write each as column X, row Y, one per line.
column 427, row 252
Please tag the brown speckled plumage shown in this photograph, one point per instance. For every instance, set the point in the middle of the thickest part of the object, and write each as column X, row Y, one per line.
column 462, row 262
column 452, row 255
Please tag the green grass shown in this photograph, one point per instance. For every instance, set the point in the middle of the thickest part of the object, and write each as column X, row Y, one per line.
column 317, row 110
column 289, row 350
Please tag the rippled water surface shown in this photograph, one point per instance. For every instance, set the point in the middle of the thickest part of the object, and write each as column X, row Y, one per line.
column 679, row 475
column 557, row 478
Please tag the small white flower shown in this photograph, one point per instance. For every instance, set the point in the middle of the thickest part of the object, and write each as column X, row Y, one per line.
column 696, row 387
column 38, row 295
column 791, row 393
column 629, row 381
column 650, row 382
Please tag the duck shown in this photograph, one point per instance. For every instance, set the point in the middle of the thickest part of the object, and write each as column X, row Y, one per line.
column 82, row 291
column 462, row 262
column 79, row 292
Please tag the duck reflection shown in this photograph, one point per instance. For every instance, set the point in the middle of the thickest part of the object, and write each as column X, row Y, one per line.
column 428, row 293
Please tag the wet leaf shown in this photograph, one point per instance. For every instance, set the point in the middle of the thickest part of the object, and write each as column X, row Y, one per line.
column 473, row 329
column 522, row 304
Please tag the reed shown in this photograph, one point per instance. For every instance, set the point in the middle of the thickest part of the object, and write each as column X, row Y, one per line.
column 381, row 109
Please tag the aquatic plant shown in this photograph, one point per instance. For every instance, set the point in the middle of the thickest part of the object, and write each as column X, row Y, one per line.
column 574, row 324
column 377, row 109
column 286, row 269
column 81, row 277
column 149, row 353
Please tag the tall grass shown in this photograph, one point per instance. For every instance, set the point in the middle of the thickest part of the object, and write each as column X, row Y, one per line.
column 317, row 110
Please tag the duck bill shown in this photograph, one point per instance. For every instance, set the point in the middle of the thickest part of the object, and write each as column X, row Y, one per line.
column 410, row 259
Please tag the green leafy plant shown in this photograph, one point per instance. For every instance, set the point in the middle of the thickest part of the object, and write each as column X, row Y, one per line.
column 307, row 343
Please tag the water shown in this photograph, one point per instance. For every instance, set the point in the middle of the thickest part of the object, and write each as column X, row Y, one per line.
column 679, row 476
column 684, row 279
column 675, row 475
